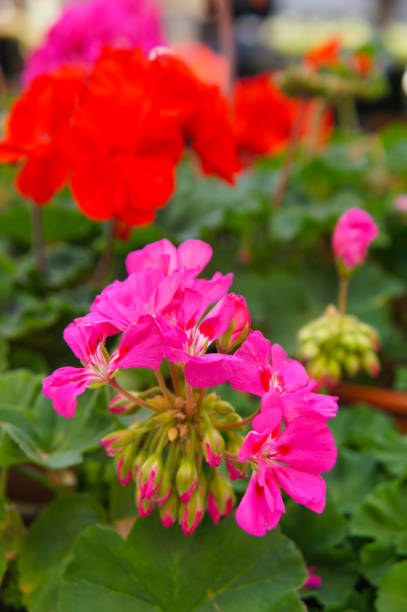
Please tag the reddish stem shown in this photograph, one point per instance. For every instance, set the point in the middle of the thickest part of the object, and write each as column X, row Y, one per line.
column 388, row 400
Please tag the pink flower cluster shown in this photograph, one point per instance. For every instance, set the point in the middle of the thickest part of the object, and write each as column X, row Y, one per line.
column 163, row 310
column 85, row 27
column 353, row 234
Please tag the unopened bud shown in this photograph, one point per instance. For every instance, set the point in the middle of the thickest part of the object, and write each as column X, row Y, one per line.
column 239, row 326
column 187, row 478
column 221, row 498
column 144, row 506
column 150, row 475
column 168, row 510
column 213, row 446
column 371, row 363
column 117, row 441
column 234, row 444
column 121, row 405
column 190, row 514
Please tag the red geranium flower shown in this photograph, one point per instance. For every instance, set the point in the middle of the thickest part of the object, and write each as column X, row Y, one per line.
column 37, row 133
column 265, row 117
column 326, row 55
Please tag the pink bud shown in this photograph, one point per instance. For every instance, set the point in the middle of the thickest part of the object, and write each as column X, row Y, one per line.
column 236, row 470
column 213, row 446
column 150, row 476
column 353, row 233
column 169, row 510
column 400, row 203
column 186, row 478
column 239, row 326
column 120, row 404
column 124, row 475
column 314, row 581
column 221, row 498
column 144, row 506
column 190, row 514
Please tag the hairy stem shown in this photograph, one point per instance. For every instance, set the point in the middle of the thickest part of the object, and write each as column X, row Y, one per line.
column 105, row 260
column 163, row 387
column 288, row 164
column 227, row 42
column 343, row 294
column 3, row 482
column 190, row 399
column 174, row 378
column 38, row 238
column 133, row 398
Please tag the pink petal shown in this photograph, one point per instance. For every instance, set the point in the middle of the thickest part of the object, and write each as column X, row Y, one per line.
column 261, row 507
column 307, row 444
column 64, row 386
column 160, row 255
column 141, row 346
column 306, row 489
column 194, row 255
column 207, row 370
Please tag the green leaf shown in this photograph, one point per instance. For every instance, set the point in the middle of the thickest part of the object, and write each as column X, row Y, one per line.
column 218, row 567
column 314, row 533
column 392, row 594
column 339, row 572
column 44, row 437
column 377, row 558
column 351, row 479
column 383, row 515
column 47, row 548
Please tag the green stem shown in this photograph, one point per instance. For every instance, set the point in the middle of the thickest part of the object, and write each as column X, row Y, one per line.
column 286, row 170
column 133, row 398
column 343, row 294
column 166, row 392
column 38, row 238
column 190, row 399
column 227, row 42
column 240, row 423
column 105, row 260
column 3, row 482
column 347, row 113
column 174, row 378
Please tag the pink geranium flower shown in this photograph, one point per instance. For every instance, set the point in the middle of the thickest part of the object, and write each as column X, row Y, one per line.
column 353, row 234
column 291, row 458
column 84, row 28
column 140, row 346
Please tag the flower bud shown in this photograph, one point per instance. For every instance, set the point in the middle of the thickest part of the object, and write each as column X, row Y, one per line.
column 234, row 444
column 213, row 446
column 168, row 510
column 150, row 475
column 144, row 506
column 190, row 514
column 117, row 441
column 124, row 467
column 371, row 363
column 239, row 326
column 186, row 479
column 167, row 479
column 221, row 498
column 120, row 405
column 353, row 233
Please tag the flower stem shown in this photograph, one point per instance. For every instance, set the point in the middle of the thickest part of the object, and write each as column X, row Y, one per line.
column 343, row 294
column 105, row 260
column 38, row 238
column 133, row 398
column 3, row 482
column 240, row 423
column 288, row 165
column 190, row 399
column 227, row 42
column 174, row 378
column 166, row 392
column 320, row 107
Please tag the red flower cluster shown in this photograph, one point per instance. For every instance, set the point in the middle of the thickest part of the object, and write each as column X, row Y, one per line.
column 265, row 116
column 330, row 56
column 117, row 134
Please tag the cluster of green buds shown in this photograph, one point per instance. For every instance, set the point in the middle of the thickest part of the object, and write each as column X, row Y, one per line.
column 174, row 456
column 336, row 344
